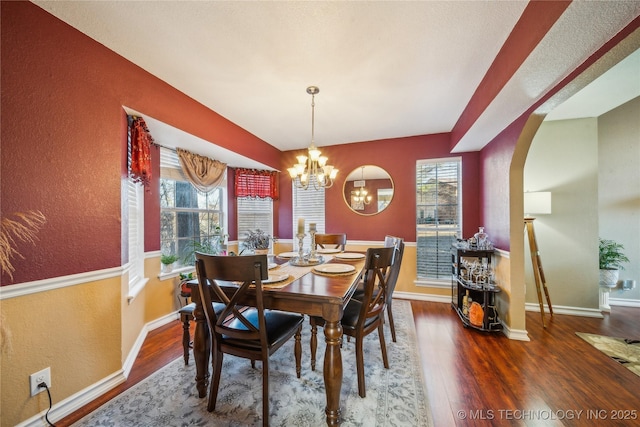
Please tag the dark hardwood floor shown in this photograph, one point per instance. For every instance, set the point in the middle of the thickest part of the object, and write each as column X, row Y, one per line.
column 479, row 379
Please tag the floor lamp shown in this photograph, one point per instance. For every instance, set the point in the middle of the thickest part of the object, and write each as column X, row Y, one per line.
column 537, row 203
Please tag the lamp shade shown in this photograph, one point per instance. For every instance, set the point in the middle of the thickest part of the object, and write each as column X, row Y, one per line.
column 537, row 202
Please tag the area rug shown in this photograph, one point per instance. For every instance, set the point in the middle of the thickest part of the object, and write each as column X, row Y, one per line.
column 625, row 351
column 395, row 396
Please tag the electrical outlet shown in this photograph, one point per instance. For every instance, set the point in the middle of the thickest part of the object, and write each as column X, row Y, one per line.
column 40, row 377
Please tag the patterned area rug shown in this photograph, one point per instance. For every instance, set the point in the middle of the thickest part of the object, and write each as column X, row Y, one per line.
column 395, row 396
column 625, row 351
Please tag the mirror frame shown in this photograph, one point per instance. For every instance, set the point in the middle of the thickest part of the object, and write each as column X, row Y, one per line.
column 374, row 201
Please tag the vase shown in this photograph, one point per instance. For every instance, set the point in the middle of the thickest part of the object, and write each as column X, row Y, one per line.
column 609, row 278
column 167, row 268
column 261, row 251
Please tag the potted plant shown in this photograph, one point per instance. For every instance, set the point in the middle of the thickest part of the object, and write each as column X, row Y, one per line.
column 257, row 241
column 213, row 246
column 167, row 262
column 611, row 259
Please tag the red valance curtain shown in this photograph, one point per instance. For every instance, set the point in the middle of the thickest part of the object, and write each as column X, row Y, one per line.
column 140, row 152
column 256, row 183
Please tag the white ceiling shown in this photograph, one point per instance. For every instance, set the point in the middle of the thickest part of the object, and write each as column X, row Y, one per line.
column 385, row 69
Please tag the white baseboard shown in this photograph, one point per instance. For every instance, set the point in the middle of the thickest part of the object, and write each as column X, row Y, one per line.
column 621, row 302
column 89, row 394
column 563, row 309
column 515, row 334
column 422, row 297
column 76, row 401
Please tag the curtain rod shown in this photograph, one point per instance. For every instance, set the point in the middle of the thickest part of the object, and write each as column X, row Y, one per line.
column 165, row 147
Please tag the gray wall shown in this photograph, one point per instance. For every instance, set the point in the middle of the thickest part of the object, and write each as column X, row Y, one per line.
column 592, row 168
column 563, row 159
column 619, row 187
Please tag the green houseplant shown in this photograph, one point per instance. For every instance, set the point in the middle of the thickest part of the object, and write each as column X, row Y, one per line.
column 167, row 261
column 212, row 245
column 611, row 260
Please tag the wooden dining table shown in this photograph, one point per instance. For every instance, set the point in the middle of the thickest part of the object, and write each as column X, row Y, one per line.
column 305, row 291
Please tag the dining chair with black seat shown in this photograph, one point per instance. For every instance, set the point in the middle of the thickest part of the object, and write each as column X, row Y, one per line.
column 398, row 244
column 186, row 313
column 362, row 317
column 331, row 241
column 243, row 328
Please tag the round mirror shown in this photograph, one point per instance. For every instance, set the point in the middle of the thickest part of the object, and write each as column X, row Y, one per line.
column 368, row 190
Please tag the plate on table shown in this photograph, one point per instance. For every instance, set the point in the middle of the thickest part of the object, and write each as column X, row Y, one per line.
column 288, row 254
column 334, row 268
column 275, row 278
column 350, row 255
column 328, row 250
column 272, row 265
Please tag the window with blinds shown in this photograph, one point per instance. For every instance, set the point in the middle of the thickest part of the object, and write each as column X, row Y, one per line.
column 307, row 204
column 438, row 215
column 254, row 214
column 135, row 206
column 135, row 226
column 189, row 220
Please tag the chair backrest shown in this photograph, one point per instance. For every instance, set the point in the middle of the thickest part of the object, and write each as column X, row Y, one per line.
column 398, row 244
column 331, row 241
column 246, row 273
column 377, row 270
column 390, row 241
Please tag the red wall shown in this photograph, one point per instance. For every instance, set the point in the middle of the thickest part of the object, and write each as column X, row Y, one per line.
column 63, row 135
column 398, row 157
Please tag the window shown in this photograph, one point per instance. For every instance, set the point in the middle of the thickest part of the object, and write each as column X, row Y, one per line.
column 135, row 210
column 308, row 204
column 438, row 216
column 254, row 213
column 189, row 220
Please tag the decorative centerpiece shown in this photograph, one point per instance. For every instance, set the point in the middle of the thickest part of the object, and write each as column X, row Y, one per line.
column 257, row 241
column 306, row 259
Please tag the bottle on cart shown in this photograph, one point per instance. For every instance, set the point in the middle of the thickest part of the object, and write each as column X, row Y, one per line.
column 466, row 301
column 481, row 238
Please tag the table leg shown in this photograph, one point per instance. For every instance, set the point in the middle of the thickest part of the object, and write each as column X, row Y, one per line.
column 201, row 347
column 333, row 371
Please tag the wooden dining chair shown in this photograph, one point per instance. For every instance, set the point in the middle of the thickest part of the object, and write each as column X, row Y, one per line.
column 398, row 244
column 243, row 328
column 361, row 318
column 331, row 241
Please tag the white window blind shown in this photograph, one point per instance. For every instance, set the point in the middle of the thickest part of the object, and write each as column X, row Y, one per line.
column 135, row 203
column 253, row 214
column 438, row 215
column 308, row 204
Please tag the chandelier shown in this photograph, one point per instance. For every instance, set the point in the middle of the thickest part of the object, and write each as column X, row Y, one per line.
column 361, row 195
column 312, row 169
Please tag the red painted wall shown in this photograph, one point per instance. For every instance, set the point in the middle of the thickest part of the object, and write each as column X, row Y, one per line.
column 63, row 133
column 398, row 157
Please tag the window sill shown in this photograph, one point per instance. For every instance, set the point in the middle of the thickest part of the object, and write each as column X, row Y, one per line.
column 136, row 289
column 433, row 283
column 176, row 272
